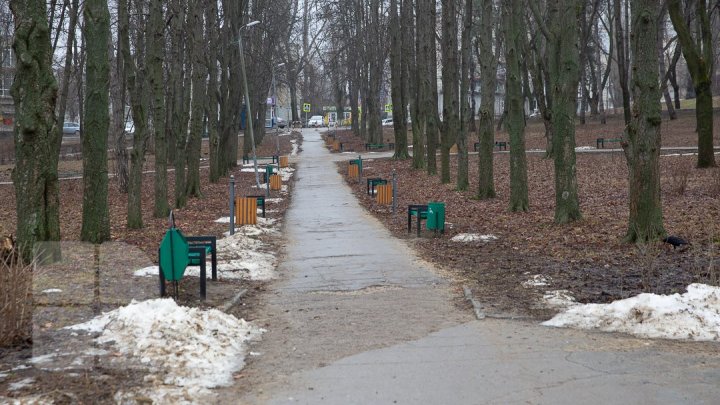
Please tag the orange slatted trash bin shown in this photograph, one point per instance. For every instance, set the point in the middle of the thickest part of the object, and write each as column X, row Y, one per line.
column 353, row 171
column 246, row 211
column 384, row 194
column 284, row 161
column 275, row 182
column 336, row 146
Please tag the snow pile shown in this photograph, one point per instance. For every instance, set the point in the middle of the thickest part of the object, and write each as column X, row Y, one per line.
column 51, row 291
column 472, row 237
column 294, row 147
column 186, row 347
column 579, row 148
column 286, row 173
column 694, row 315
column 537, row 280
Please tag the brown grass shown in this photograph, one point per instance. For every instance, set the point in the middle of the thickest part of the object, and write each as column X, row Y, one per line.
column 15, row 300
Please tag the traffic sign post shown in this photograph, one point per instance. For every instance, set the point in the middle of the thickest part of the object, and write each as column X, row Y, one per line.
column 306, row 109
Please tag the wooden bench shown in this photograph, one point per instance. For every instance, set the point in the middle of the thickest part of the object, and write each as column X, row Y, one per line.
column 600, row 142
column 193, row 250
column 371, row 146
column 372, row 182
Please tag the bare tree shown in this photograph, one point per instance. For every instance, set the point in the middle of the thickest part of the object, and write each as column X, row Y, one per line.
column 642, row 148
column 34, row 92
column 486, row 128
column 698, row 52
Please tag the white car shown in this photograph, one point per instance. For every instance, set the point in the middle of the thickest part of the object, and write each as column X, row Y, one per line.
column 387, row 122
column 315, row 121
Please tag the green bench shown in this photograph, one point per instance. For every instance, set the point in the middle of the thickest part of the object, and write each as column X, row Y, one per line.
column 433, row 213
column 177, row 252
column 498, row 144
column 371, row 146
column 372, row 182
column 260, row 202
column 273, row 158
column 600, row 142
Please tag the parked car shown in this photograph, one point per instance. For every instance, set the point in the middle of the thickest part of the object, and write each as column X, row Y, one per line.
column 315, row 121
column 71, row 128
column 280, row 122
column 387, row 122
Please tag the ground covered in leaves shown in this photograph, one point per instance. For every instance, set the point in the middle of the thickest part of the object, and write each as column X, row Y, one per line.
column 90, row 280
column 533, row 260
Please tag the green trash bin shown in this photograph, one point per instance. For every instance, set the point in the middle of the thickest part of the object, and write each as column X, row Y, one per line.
column 436, row 216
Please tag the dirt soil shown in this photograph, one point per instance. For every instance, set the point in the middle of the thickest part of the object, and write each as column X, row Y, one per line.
column 587, row 258
column 69, row 368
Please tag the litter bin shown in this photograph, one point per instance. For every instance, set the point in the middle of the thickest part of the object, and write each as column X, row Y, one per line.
column 436, row 216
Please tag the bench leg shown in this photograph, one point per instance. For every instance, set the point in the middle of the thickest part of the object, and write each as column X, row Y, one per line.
column 409, row 223
column 418, row 225
column 203, row 277
column 214, row 260
column 162, row 278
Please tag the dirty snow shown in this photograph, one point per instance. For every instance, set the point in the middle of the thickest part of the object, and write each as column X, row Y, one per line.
column 186, row 347
column 240, row 256
column 51, row 291
column 294, row 147
column 694, row 315
column 559, row 299
column 538, row 280
column 26, row 382
column 579, row 148
column 472, row 237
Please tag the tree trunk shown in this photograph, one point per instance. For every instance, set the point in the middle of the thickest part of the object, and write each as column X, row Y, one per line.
column 430, row 79
column 451, row 106
column 515, row 122
column 199, row 90
column 466, row 116
column 399, row 76
column 564, row 77
column 155, row 74
column 212, row 96
column 96, row 217
column 642, row 148
column 139, row 114
column 622, row 59
column 699, row 56
column 34, row 91
column 418, row 89
column 488, row 77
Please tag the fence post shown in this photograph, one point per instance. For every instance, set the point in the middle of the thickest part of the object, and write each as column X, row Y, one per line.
column 394, row 191
column 232, row 204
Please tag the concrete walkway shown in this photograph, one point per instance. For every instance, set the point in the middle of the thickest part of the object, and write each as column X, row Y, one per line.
column 357, row 319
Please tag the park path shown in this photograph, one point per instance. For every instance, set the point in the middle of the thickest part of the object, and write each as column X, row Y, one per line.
column 357, row 318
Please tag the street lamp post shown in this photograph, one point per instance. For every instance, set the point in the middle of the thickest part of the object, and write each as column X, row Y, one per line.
column 277, row 129
column 249, row 117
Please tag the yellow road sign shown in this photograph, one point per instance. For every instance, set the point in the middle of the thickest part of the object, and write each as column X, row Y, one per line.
column 306, row 107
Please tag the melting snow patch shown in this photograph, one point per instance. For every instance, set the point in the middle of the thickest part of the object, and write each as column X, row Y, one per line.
column 584, row 148
column 51, row 291
column 286, row 173
column 188, row 347
column 694, row 315
column 294, row 148
column 472, row 237
column 147, row 271
column 26, row 382
column 273, row 200
column 559, row 299
column 537, row 280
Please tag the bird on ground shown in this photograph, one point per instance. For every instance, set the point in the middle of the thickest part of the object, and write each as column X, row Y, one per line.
column 675, row 241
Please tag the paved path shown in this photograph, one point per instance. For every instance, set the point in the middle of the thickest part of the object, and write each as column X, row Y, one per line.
column 356, row 318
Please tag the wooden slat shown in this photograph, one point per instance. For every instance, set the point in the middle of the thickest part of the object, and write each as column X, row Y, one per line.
column 384, row 193
column 275, row 182
column 246, row 211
